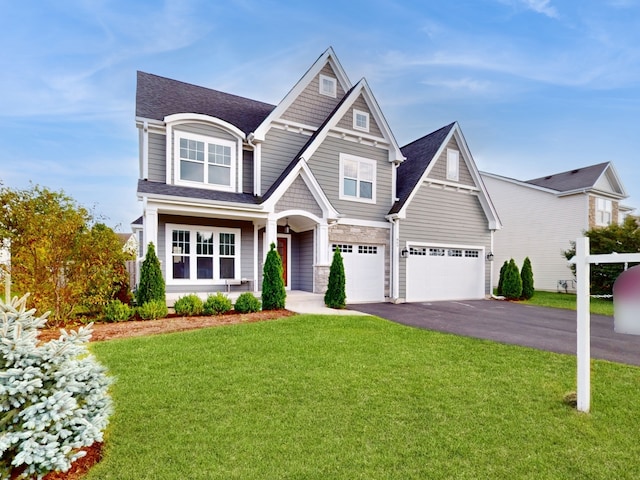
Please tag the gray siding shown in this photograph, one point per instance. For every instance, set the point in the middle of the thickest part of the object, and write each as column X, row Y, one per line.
column 206, row 130
column 157, row 157
column 246, row 248
column 303, row 279
column 325, row 165
column 439, row 169
column 347, row 120
column 448, row 217
column 278, row 150
column 298, row 196
column 247, row 171
column 311, row 107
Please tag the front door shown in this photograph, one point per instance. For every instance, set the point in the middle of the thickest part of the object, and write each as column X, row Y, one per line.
column 284, row 255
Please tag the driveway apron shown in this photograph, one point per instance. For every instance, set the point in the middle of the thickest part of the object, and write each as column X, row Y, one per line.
column 543, row 328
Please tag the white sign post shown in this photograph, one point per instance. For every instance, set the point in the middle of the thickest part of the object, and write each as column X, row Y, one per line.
column 583, row 263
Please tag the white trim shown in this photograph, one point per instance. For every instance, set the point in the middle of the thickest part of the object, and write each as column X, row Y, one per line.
column 334, row 86
column 193, row 229
column 287, row 236
column 365, row 115
column 453, row 164
column 346, row 157
column 178, row 118
column 362, row 223
column 412, row 243
column 145, row 150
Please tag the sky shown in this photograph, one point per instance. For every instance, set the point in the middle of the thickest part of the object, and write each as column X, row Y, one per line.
column 537, row 86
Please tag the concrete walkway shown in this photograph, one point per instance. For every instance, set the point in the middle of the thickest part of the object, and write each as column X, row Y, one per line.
column 305, row 302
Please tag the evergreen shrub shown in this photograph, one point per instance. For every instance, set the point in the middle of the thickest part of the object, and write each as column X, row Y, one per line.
column 116, row 311
column 54, row 396
column 527, row 279
column 512, row 285
column 151, row 285
column 247, row 303
column 217, row 304
column 336, row 296
column 188, row 305
column 274, row 294
column 153, row 310
column 503, row 269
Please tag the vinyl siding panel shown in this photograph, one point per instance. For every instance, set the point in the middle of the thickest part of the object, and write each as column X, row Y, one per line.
column 157, row 157
column 246, row 248
column 311, row 107
column 346, row 121
column 447, row 217
column 325, row 165
column 536, row 224
column 302, row 273
column 247, row 171
column 439, row 169
column 278, row 150
column 298, row 196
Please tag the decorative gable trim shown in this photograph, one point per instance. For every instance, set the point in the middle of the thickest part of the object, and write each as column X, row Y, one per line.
column 328, row 56
column 479, row 188
column 178, row 118
column 302, row 170
column 329, row 128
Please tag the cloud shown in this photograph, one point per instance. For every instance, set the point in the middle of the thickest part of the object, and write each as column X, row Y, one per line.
column 541, row 6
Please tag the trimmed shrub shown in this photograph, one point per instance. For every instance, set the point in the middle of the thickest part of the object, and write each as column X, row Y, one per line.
column 336, row 296
column 188, row 305
column 151, row 286
column 54, row 396
column 153, row 310
column 217, row 304
column 527, row 280
column 116, row 311
column 274, row 294
column 512, row 285
column 247, row 303
column 503, row 269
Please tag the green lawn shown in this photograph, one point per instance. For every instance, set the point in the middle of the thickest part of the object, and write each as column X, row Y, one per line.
column 311, row 397
column 599, row 306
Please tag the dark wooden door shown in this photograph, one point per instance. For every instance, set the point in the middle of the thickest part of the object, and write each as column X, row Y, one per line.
column 284, row 255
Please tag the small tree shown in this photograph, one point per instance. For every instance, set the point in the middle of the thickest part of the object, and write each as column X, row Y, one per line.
column 336, row 296
column 53, row 396
column 512, row 285
column 503, row 269
column 274, row 294
column 151, row 285
column 526, row 274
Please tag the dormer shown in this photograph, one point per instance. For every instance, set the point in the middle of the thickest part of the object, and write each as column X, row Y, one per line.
column 203, row 152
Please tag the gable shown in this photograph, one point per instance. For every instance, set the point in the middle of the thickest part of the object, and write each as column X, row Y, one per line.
column 608, row 183
column 439, row 169
column 298, row 197
column 360, row 104
column 311, row 107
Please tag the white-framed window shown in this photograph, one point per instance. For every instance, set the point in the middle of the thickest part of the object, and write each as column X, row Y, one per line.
column 368, row 249
column 360, row 120
column 328, row 86
column 604, row 211
column 344, row 248
column 436, row 252
column 204, row 161
column 199, row 254
column 453, row 164
column 357, row 178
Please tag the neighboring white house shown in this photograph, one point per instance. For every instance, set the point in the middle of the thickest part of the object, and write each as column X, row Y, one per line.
column 542, row 216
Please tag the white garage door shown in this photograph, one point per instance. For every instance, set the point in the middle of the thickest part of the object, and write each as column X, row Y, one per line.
column 437, row 273
column 364, row 272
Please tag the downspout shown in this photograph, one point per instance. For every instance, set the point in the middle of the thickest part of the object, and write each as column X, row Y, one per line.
column 257, row 164
column 145, row 151
column 395, row 259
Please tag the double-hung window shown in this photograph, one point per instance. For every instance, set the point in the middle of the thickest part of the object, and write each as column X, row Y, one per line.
column 202, row 254
column 357, row 178
column 453, row 164
column 604, row 212
column 203, row 161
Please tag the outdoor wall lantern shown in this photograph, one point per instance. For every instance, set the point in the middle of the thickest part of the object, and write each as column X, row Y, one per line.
column 404, row 253
column 286, row 227
column 490, row 256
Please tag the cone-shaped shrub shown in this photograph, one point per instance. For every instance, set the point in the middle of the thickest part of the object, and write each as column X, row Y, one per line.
column 503, row 269
column 527, row 279
column 336, row 296
column 151, row 285
column 274, row 295
column 512, row 284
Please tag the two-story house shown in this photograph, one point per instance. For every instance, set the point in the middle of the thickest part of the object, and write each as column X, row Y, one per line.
column 222, row 177
column 544, row 215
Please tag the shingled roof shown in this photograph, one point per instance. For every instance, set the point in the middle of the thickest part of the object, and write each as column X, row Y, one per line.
column 158, row 97
column 573, row 179
column 419, row 154
column 158, row 188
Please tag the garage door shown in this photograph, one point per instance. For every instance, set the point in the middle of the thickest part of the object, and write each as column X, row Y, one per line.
column 437, row 273
column 364, row 272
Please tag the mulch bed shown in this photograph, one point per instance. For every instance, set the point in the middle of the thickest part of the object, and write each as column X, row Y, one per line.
column 138, row 328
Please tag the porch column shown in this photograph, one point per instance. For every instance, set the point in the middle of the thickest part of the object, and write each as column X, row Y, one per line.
column 256, row 228
column 271, row 235
column 150, row 224
column 323, row 244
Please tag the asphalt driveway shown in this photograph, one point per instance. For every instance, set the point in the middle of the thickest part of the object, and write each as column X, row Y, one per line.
column 543, row 328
